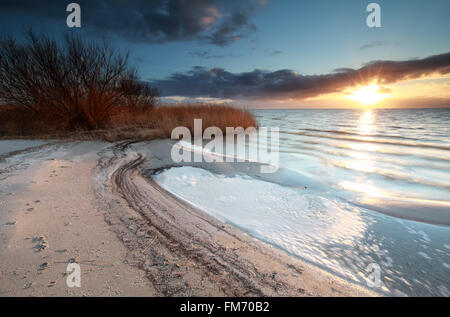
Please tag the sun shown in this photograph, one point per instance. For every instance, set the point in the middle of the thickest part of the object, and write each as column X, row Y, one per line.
column 367, row 95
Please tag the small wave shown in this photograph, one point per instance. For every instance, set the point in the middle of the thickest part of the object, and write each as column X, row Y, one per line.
column 343, row 152
column 382, row 151
column 364, row 135
column 389, row 174
column 353, row 165
column 405, row 128
column 379, row 141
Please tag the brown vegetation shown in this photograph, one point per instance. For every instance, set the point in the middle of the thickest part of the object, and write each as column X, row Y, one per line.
column 128, row 122
column 166, row 118
column 84, row 90
column 68, row 85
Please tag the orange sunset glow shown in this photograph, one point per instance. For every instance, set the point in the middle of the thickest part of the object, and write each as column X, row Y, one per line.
column 368, row 95
column 229, row 149
column 428, row 91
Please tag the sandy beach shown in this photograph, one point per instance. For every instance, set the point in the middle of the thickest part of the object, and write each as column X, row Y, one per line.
column 89, row 203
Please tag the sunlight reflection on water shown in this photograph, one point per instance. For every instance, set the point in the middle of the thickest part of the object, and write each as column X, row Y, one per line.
column 374, row 179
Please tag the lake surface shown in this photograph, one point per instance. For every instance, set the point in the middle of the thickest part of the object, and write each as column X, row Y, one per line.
column 362, row 190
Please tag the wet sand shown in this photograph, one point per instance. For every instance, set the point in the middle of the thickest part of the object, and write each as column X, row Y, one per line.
column 90, row 203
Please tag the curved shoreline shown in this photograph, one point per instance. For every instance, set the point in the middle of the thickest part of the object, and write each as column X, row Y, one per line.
column 182, row 241
column 164, row 248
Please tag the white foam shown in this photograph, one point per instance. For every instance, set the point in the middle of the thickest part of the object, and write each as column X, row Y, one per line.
column 218, row 155
column 297, row 222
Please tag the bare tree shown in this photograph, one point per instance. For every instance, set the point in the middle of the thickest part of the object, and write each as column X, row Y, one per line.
column 74, row 81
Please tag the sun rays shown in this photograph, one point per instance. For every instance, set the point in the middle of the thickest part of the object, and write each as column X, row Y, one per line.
column 368, row 95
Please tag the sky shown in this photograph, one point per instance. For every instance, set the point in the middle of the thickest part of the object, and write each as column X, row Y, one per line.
column 268, row 53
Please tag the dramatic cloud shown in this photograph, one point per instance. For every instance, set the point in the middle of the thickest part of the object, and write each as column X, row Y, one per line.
column 219, row 83
column 219, row 22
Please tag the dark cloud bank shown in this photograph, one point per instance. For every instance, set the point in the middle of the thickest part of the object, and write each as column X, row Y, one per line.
column 218, row 22
column 219, row 83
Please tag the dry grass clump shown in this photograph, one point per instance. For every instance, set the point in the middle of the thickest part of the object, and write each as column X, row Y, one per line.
column 166, row 118
column 17, row 121
column 79, row 89
column 128, row 122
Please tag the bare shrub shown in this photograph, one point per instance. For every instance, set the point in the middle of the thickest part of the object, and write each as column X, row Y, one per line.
column 75, row 84
column 50, row 88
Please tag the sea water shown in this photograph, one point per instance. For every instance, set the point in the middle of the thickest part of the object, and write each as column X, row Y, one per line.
column 363, row 189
